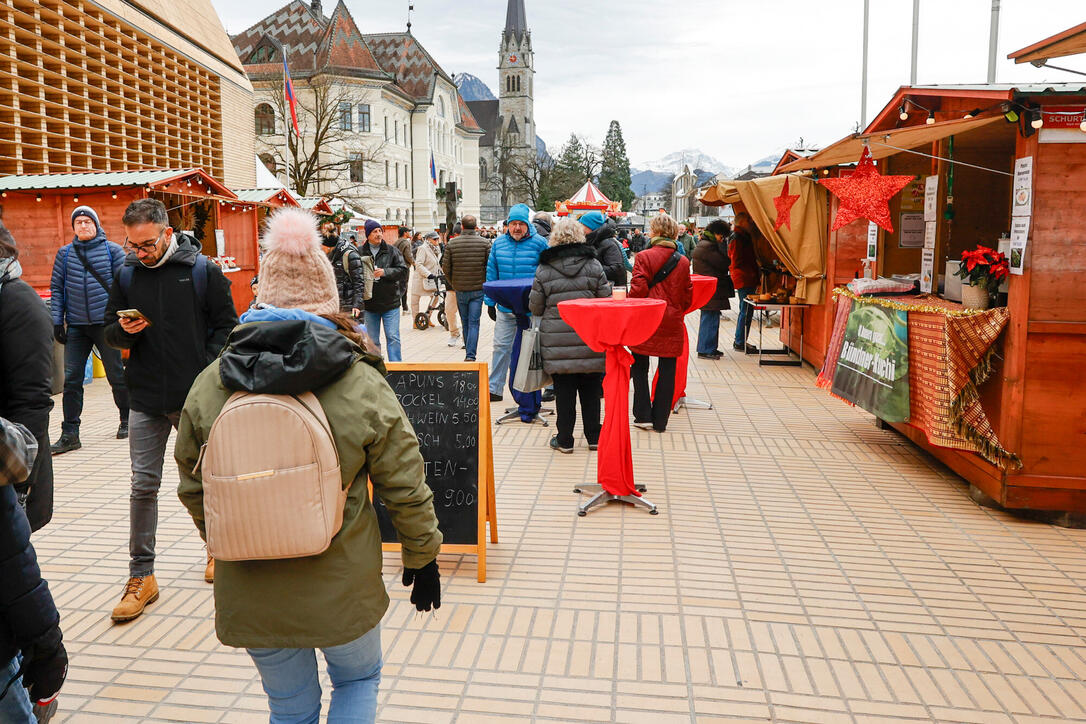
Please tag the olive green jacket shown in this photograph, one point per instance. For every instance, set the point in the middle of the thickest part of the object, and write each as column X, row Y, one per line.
column 339, row 595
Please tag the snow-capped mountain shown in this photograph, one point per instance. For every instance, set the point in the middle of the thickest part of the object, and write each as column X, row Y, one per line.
column 674, row 162
column 472, row 88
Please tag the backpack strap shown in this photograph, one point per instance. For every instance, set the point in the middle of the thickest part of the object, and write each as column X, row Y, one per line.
column 199, row 279
column 666, row 269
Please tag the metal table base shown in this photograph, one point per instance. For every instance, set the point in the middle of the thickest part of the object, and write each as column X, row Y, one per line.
column 691, row 404
column 602, row 497
column 787, row 352
column 513, row 413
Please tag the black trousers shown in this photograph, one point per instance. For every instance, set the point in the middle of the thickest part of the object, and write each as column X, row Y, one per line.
column 656, row 409
column 589, row 386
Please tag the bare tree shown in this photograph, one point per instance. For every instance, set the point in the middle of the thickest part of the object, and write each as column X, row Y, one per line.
column 506, row 178
column 332, row 155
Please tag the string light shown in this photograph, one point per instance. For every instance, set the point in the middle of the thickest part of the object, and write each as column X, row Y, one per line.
column 1035, row 118
column 38, row 197
column 931, row 118
column 4, row 194
column 114, row 194
column 75, row 199
column 1082, row 126
column 903, row 114
column 972, row 114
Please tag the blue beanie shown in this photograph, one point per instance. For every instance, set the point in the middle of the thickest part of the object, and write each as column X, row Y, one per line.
column 370, row 225
column 520, row 212
column 89, row 213
column 593, row 220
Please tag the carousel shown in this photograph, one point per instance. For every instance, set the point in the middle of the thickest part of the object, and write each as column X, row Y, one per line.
column 588, row 198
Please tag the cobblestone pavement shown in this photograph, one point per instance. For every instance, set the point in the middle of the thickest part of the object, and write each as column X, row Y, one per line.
column 805, row 567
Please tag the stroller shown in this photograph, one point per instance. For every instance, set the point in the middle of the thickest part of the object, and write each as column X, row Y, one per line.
column 437, row 304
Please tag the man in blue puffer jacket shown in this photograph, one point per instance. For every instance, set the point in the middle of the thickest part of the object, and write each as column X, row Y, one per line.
column 83, row 272
column 514, row 255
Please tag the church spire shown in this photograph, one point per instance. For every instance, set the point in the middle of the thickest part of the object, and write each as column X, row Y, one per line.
column 516, row 20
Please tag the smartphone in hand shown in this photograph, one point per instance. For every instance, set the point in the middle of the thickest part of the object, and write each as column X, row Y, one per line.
column 132, row 314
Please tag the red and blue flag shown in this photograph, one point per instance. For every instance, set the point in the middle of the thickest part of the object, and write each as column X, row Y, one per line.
column 433, row 169
column 292, row 101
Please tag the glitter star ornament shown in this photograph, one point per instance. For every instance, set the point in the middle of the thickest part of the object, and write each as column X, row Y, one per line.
column 784, row 204
column 865, row 194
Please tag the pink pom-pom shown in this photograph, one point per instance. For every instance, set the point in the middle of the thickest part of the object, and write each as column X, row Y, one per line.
column 292, row 231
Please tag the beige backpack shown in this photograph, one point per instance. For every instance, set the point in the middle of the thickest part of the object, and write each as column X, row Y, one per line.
column 272, row 486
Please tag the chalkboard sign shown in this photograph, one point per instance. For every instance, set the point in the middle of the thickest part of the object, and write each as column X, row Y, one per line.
column 449, row 409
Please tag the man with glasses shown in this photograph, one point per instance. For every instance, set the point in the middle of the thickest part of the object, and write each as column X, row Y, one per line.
column 171, row 308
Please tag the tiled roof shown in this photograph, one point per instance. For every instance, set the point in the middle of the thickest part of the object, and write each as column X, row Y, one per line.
column 404, row 57
column 344, row 47
column 486, row 115
column 467, row 120
column 295, row 26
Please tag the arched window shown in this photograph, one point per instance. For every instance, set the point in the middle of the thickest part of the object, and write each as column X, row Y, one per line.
column 441, row 106
column 269, row 162
column 265, row 120
column 482, row 170
column 518, row 84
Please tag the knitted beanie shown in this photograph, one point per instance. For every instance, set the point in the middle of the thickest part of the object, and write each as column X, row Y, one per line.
column 593, row 220
column 89, row 213
column 294, row 272
column 370, row 226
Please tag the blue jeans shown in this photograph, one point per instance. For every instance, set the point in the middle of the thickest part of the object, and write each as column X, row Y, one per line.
column 290, row 679
column 391, row 320
column 708, row 332
column 81, row 338
column 15, row 707
column 470, row 306
column 505, row 329
column 745, row 317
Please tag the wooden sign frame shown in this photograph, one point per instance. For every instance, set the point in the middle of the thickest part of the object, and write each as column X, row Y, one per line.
column 488, row 509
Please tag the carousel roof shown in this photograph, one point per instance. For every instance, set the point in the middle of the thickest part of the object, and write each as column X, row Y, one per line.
column 588, row 195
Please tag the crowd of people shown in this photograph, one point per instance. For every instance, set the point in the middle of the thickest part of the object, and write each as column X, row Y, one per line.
column 315, row 326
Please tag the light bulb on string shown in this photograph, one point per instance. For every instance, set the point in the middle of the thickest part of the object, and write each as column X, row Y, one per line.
column 1082, row 126
column 903, row 114
column 972, row 114
column 931, row 118
column 37, row 198
column 1036, row 119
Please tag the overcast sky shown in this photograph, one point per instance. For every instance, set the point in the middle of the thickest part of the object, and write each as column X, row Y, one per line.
column 737, row 79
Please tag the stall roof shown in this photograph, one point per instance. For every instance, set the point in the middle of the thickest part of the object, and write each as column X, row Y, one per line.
column 100, row 179
column 1070, row 42
column 887, row 143
column 261, row 196
column 990, row 92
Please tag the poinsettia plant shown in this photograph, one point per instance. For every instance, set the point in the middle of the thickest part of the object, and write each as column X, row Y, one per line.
column 984, row 267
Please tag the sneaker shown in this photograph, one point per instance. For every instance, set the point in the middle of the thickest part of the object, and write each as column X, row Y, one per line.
column 454, row 341
column 138, row 593
column 548, row 395
column 495, row 398
column 643, row 425
column 469, row 359
column 122, row 431
column 66, row 443
column 209, row 570
column 43, row 712
column 559, row 448
column 712, row 356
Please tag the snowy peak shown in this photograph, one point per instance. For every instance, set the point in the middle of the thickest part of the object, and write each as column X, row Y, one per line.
column 692, row 157
column 472, row 88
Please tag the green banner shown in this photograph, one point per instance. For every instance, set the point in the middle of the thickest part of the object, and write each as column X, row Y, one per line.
column 873, row 368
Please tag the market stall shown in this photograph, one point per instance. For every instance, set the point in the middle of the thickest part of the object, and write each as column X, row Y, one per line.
column 588, row 198
column 991, row 393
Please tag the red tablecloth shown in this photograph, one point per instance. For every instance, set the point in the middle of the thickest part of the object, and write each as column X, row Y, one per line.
column 704, row 288
column 609, row 326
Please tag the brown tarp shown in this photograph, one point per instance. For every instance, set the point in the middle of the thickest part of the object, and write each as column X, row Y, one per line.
column 801, row 248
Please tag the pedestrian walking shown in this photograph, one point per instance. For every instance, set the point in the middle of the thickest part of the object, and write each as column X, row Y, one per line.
column 660, row 272
column 26, row 374
column 282, row 609
column 427, row 268
column 407, row 248
column 600, row 235
column 452, row 311
column 464, row 266
column 637, row 242
column 542, row 223
column 83, row 272
column 170, row 306
column 33, row 662
column 744, row 273
column 514, row 255
column 711, row 259
column 567, row 270
column 347, row 265
column 383, row 306
column 686, row 241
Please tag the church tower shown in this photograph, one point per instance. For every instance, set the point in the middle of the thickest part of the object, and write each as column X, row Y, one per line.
column 516, row 77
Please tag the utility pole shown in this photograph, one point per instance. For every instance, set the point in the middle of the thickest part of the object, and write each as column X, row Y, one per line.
column 993, row 41
column 863, row 82
column 916, row 37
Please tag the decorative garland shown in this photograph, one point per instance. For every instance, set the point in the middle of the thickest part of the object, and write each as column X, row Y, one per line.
column 903, row 307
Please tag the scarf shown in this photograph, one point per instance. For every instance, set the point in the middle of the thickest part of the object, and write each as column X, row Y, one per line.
column 166, row 256
column 10, row 268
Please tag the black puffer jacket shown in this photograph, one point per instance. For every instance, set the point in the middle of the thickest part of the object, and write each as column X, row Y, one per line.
column 711, row 259
column 350, row 282
column 607, row 250
column 184, row 336
column 26, row 375
column 570, row 271
column 386, row 290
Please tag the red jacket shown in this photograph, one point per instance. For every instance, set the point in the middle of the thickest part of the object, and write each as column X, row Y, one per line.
column 677, row 290
column 744, row 267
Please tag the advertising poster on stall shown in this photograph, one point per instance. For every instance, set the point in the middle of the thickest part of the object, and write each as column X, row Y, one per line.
column 912, row 196
column 927, row 270
column 911, row 231
column 1022, row 196
column 873, row 367
column 930, row 229
column 872, row 240
column 931, row 198
column 1019, row 239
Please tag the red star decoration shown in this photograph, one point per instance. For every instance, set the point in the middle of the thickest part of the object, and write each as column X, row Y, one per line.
column 865, row 194
column 784, row 204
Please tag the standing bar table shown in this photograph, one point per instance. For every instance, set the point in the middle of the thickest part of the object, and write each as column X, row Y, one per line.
column 609, row 326
column 704, row 288
column 513, row 294
column 772, row 307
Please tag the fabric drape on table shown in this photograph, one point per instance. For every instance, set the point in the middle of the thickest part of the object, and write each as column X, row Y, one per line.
column 704, row 287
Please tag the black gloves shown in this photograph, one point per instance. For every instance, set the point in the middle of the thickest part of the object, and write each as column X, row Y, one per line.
column 427, row 588
column 492, row 313
column 59, row 334
column 46, row 664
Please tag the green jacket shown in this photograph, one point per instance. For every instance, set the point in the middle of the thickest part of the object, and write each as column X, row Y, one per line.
column 687, row 244
column 339, row 595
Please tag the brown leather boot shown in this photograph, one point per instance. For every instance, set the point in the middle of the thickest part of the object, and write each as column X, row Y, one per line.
column 138, row 592
column 209, row 572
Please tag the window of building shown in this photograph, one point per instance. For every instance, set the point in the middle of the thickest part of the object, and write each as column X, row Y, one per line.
column 357, row 167
column 344, row 116
column 265, row 119
column 441, row 106
column 482, row 170
column 517, row 83
column 269, row 162
column 386, row 128
column 364, row 117
column 386, row 173
column 264, row 54
column 397, row 175
column 395, row 131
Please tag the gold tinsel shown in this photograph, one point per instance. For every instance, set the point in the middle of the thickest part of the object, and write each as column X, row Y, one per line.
column 918, row 306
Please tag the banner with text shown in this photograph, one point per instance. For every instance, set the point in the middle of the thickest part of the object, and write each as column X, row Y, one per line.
column 873, row 367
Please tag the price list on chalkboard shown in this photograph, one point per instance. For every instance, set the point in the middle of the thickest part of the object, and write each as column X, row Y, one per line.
column 443, row 407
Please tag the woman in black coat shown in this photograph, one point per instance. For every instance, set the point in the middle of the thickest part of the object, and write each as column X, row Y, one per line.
column 26, row 373
column 711, row 259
